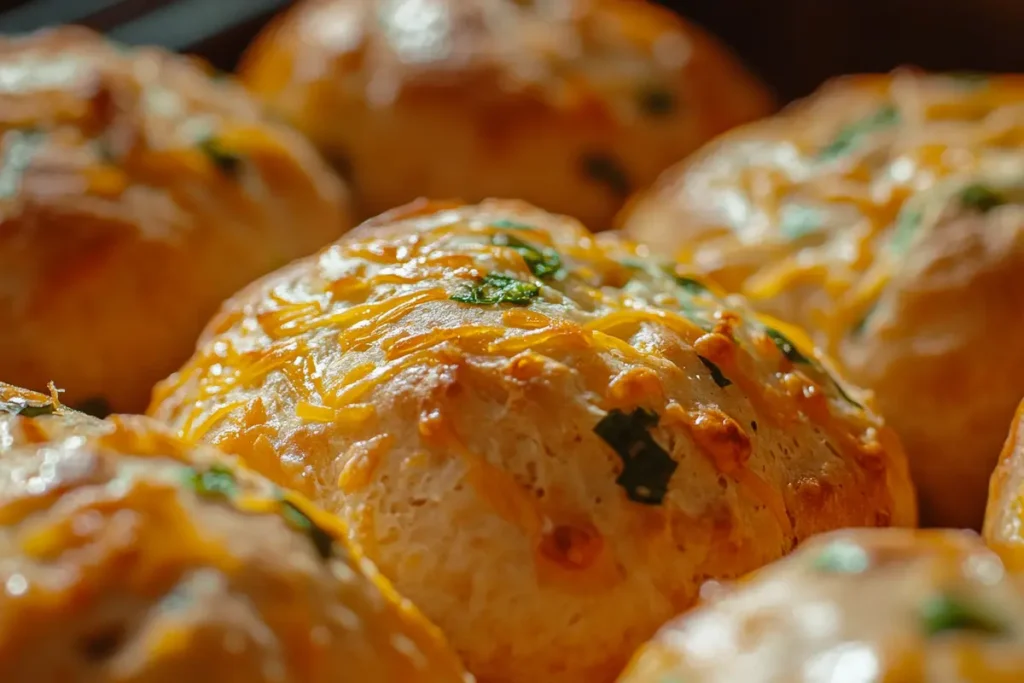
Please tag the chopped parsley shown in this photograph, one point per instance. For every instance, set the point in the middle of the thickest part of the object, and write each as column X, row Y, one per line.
column 656, row 101
column 980, row 198
column 512, row 225
column 97, row 406
column 105, row 151
column 842, row 557
column 798, row 221
column 296, row 518
column 787, row 347
column 716, row 372
column 946, row 612
column 862, row 324
column 543, row 262
column 851, row 135
column 605, row 170
column 20, row 147
column 793, row 354
column 846, row 396
column 497, row 289
column 969, row 78
column 647, row 467
column 907, row 224
column 228, row 162
column 216, row 482
column 690, row 285
column 19, row 406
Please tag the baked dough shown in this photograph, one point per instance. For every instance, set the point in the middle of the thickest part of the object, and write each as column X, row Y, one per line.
column 865, row 605
column 569, row 104
column 546, row 439
column 884, row 215
column 138, row 190
column 126, row 555
column 1004, row 527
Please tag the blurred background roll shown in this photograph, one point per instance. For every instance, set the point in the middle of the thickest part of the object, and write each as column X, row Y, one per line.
column 138, row 189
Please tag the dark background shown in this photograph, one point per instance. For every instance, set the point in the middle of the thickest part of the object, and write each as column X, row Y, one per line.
column 792, row 44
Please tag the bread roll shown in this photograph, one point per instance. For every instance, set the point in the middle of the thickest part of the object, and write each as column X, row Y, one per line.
column 885, row 214
column 138, row 190
column 547, row 440
column 865, row 605
column 568, row 104
column 126, row 555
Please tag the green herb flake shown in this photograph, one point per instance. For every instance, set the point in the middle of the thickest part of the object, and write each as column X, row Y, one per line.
column 19, row 406
column 907, row 224
column 690, row 285
column 862, row 324
column 105, row 151
column 20, row 148
column 980, row 198
column 716, row 373
column 845, row 396
column 788, row 348
column 228, row 162
column 543, row 262
column 512, row 225
column 656, row 101
column 647, row 467
column 216, row 482
column 297, row 519
column 972, row 79
column 605, row 170
column 798, row 221
column 497, row 289
column 850, row 136
column 97, row 406
column 842, row 557
column 947, row 612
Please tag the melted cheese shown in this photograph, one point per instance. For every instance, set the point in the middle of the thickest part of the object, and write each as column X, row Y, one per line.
column 604, row 340
column 942, row 128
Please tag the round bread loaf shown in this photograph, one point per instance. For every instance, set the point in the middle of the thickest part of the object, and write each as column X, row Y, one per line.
column 568, row 104
column 884, row 215
column 138, row 190
column 545, row 438
column 126, row 555
column 858, row 606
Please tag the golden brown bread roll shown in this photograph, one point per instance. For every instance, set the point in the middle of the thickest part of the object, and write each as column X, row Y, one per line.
column 137, row 191
column 568, row 104
column 858, row 606
column 545, row 438
column 126, row 555
column 1004, row 524
column 884, row 214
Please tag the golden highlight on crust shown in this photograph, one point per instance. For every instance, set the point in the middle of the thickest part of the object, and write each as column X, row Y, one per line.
column 547, row 438
column 569, row 105
column 130, row 555
column 883, row 214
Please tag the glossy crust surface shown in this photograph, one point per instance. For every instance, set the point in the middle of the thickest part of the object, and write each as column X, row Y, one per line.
column 549, row 477
column 137, row 192
column 1004, row 518
column 889, row 605
column 884, row 214
column 569, row 104
column 126, row 555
